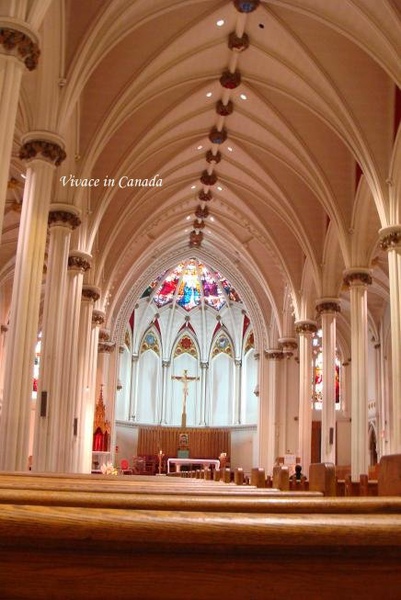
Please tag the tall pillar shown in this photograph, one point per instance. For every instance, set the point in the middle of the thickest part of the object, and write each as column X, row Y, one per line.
column 237, row 391
column 358, row 279
column 204, row 389
column 133, row 399
column 78, row 264
column 48, row 450
column 391, row 242
column 288, row 345
column 267, row 419
column 43, row 154
column 305, row 330
column 327, row 308
column 18, row 50
column 84, row 406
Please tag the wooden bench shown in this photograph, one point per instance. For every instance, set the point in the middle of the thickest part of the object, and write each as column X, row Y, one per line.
column 79, row 543
column 389, row 475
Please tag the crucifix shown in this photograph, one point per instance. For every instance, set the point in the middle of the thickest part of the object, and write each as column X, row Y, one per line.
column 185, row 379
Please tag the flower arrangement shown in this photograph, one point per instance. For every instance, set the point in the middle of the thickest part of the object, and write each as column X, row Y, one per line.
column 108, row 469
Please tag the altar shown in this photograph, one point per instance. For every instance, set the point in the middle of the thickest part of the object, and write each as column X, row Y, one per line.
column 204, row 462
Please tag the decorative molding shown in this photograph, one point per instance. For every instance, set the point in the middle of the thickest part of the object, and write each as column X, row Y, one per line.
column 79, row 261
column 390, row 237
column 98, row 317
column 205, row 196
column 328, row 305
column 213, row 159
column 236, row 43
column 195, row 239
column 229, row 80
column 274, row 354
column 288, row 345
column 104, row 335
column 306, row 326
column 106, row 347
column 246, row 6
column 217, row 136
column 208, row 178
column 358, row 276
column 19, row 43
column 50, row 151
column 202, row 213
column 90, row 292
column 64, row 217
column 224, row 110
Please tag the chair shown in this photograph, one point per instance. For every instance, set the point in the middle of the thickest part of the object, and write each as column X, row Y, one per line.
column 124, row 467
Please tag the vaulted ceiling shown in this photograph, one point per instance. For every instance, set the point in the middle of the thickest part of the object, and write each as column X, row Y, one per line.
column 270, row 128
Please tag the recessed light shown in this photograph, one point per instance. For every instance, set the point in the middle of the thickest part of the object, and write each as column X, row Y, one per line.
column 219, row 188
column 212, row 219
column 199, row 147
column 209, row 95
column 193, row 187
column 23, row 176
column 188, row 217
column 229, row 148
column 220, row 23
column 243, row 97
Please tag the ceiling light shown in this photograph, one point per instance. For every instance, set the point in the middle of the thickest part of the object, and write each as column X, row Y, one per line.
column 193, row 187
column 220, row 23
column 188, row 217
column 199, row 147
column 219, row 188
column 209, row 95
column 212, row 219
column 243, row 96
column 229, row 148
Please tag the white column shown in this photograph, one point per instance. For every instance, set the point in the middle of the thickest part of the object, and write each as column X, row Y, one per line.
column 134, row 388
column 78, row 265
column 204, row 365
column 165, row 379
column 288, row 346
column 358, row 279
column 50, row 424
column 305, row 329
column 80, row 460
column 391, row 241
column 237, row 391
column 327, row 309
column 275, row 359
column 15, row 36
column 43, row 156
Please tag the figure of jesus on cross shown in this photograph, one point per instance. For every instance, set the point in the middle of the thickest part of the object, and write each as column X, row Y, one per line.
column 185, row 379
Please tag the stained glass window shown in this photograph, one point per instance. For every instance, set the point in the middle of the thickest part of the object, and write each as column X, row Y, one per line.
column 318, row 376
column 190, row 284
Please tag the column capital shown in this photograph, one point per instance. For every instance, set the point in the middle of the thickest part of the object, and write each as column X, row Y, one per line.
column 98, row 317
column 288, row 345
column 390, row 237
column 90, row 292
column 165, row 362
column 17, row 39
column 43, row 144
column 66, row 215
column 274, row 354
column 79, row 261
column 327, row 305
column 204, row 364
column 104, row 335
column 306, row 326
column 106, row 347
column 357, row 276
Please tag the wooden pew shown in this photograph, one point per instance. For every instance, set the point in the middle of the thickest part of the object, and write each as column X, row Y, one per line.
column 295, row 548
column 281, row 477
column 389, row 478
column 322, row 478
